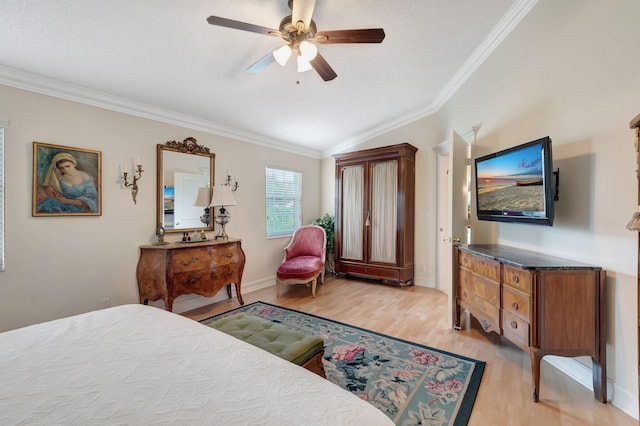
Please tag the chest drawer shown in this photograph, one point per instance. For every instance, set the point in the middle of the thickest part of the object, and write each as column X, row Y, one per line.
column 515, row 329
column 225, row 254
column 487, row 268
column 191, row 259
column 485, row 289
column 476, row 305
column 518, row 278
column 516, row 303
column 464, row 259
column 465, row 278
column 205, row 280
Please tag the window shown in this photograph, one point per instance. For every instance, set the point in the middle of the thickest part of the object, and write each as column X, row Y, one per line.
column 284, row 201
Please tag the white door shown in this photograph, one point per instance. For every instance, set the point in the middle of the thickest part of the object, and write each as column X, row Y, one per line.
column 457, row 215
column 186, row 215
column 442, row 218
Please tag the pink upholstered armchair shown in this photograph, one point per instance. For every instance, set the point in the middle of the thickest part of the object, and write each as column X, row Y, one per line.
column 303, row 258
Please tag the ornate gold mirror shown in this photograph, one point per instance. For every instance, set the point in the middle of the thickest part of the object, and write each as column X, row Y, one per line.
column 183, row 168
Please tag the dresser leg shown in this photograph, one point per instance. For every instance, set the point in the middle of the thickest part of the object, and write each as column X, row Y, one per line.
column 229, row 290
column 457, row 318
column 238, row 294
column 536, row 358
column 599, row 381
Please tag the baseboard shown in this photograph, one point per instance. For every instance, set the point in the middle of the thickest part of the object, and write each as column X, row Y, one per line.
column 422, row 281
column 582, row 374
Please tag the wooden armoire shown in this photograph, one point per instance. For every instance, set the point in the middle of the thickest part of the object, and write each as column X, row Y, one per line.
column 375, row 213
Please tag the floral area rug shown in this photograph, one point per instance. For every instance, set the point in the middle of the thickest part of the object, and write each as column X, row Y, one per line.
column 413, row 384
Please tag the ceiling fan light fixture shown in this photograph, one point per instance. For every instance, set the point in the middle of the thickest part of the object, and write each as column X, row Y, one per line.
column 308, row 50
column 303, row 64
column 282, row 54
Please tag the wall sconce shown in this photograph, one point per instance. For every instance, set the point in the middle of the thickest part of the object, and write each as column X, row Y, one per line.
column 204, row 200
column 228, row 182
column 634, row 223
column 223, row 196
column 137, row 175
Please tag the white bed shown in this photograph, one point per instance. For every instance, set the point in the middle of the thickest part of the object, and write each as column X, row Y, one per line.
column 140, row 365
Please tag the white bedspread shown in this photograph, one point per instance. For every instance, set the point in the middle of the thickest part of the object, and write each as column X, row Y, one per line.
column 140, row 365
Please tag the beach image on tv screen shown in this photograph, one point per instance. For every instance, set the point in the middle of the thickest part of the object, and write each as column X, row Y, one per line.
column 512, row 182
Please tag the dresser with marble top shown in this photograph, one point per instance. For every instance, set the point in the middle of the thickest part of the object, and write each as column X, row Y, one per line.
column 166, row 271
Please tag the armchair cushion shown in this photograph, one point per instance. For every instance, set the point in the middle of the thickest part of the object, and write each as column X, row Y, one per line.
column 301, row 268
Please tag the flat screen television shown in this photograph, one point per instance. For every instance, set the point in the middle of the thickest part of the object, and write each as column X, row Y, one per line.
column 516, row 184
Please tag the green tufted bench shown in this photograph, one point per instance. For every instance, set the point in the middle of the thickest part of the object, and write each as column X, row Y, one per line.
column 294, row 346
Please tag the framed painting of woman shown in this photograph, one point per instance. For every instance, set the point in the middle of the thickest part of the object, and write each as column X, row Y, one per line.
column 66, row 181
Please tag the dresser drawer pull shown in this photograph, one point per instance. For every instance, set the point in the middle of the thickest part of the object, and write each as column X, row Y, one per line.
column 514, row 324
column 189, row 261
column 464, row 280
column 514, row 305
column 228, row 255
column 464, row 294
column 228, row 273
column 516, row 279
column 464, row 260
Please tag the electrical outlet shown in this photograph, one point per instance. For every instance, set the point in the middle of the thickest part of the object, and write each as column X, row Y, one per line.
column 106, row 302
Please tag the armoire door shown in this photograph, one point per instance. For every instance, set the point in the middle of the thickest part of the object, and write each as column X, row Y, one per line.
column 383, row 212
column 352, row 241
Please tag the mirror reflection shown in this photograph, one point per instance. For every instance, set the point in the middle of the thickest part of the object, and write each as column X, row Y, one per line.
column 183, row 168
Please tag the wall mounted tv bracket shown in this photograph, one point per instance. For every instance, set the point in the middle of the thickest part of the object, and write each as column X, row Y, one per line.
column 556, row 175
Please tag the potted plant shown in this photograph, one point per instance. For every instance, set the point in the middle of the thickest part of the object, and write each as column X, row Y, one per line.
column 327, row 222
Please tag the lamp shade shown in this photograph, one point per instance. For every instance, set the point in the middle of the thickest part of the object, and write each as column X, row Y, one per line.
column 282, row 54
column 223, row 196
column 308, row 50
column 303, row 64
column 203, row 199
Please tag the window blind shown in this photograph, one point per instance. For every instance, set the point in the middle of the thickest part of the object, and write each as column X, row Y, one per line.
column 283, row 201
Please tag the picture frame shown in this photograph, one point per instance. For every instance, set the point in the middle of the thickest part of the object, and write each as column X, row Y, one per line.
column 67, row 181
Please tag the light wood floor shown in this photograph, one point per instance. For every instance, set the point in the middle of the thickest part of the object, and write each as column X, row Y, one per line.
column 419, row 314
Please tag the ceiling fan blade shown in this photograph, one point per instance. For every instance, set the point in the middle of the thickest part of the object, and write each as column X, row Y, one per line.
column 368, row 35
column 230, row 23
column 262, row 63
column 323, row 68
column 301, row 10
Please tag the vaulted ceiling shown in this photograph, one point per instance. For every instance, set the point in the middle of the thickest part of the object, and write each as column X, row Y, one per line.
column 162, row 60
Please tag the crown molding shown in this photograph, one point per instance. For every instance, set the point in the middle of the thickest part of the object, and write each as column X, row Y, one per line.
column 71, row 92
column 502, row 29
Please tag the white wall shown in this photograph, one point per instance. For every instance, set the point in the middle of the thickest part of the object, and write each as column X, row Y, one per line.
column 61, row 266
column 570, row 71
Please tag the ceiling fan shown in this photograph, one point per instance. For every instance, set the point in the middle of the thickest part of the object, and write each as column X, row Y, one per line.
column 300, row 33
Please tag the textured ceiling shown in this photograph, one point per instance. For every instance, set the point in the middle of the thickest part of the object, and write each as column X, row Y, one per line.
column 162, row 59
